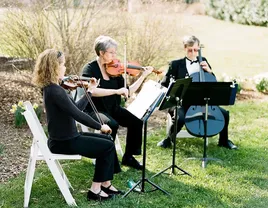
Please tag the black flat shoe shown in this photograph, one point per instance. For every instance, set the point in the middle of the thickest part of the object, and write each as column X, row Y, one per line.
column 131, row 162
column 165, row 143
column 97, row 197
column 109, row 191
column 229, row 145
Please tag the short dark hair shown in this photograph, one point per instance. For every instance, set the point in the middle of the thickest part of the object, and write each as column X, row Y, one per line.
column 102, row 43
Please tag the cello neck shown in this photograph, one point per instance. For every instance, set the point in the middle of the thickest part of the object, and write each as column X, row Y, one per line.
column 201, row 71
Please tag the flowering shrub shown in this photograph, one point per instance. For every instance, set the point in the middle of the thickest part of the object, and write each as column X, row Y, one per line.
column 256, row 83
column 249, row 12
column 238, row 81
column 262, row 86
column 18, row 109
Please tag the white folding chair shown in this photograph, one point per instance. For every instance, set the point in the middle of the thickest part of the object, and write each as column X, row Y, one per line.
column 40, row 151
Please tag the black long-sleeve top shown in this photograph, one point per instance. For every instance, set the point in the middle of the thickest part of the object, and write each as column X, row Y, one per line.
column 106, row 103
column 62, row 111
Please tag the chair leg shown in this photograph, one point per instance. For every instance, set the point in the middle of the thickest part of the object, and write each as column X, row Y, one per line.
column 65, row 178
column 118, row 146
column 29, row 176
column 63, row 186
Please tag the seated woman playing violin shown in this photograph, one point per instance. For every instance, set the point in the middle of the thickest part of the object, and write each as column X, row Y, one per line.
column 107, row 98
column 61, row 112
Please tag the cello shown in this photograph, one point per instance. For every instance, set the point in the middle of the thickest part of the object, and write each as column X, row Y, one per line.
column 203, row 121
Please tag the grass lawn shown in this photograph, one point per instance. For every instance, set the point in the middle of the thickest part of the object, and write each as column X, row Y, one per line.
column 240, row 181
column 234, row 49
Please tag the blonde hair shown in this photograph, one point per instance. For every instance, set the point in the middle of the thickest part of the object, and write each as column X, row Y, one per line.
column 46, row 69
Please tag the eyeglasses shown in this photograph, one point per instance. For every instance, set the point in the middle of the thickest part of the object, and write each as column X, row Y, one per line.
column 190, row 50
column 111, row 52
column 59, row 54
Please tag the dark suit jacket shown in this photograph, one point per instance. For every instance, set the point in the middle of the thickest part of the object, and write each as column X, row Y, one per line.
column 177, row 69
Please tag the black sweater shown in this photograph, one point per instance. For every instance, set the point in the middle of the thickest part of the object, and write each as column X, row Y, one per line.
column 109, row 103
column 62, row 111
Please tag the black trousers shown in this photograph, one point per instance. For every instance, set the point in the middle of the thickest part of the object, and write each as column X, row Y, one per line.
column 123, row 117
column 91, row 145
column 223, row 138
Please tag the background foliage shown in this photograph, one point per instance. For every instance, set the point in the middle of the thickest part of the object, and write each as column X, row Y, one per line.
column 73, row 29
column 249, row 12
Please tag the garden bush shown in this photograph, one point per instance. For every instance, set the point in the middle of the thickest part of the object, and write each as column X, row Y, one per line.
column 249, row 12
column 27, row 31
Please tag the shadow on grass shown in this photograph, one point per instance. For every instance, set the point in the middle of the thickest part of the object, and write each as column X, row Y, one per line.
column 240, row 181
column 45, row 192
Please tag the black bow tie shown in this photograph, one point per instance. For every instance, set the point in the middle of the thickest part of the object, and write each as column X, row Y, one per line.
column 191, row 62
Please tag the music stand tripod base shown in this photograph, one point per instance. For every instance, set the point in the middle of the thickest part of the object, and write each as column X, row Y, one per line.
column 173, row 165
column 143, row 178
column 173, row 98
column 205, row 160
column 142, row 190
column 209, row 93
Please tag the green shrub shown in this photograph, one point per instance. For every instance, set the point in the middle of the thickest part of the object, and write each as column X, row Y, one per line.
column 239, row 88
column 249, row 12
column 262, row 86
column 18, row 109
column 74, row 29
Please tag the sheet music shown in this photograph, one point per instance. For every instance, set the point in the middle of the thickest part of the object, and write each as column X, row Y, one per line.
column 150, row 91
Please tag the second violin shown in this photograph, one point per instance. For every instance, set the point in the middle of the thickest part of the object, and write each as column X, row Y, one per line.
column 72, row 82
column 116, row 68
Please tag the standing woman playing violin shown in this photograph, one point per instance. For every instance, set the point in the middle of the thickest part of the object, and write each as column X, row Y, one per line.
column 107, row 98
column 61, row 112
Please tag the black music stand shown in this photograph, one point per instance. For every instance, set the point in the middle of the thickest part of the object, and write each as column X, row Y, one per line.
column 173, row 97
column 144, row 179
column 205, row 94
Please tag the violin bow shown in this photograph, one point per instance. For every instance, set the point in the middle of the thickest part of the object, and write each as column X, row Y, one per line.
column 125, row 65
column 125, row 68
column 89, row 98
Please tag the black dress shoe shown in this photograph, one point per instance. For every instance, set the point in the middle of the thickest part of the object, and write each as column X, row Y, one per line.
column 229, row 145
column 131, row 162
column 97, row 197
column 107, row 190
column 165, row 143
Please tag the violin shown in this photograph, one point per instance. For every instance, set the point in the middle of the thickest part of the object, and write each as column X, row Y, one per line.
column 116, row 68
column 72, row 82
column 194, row 117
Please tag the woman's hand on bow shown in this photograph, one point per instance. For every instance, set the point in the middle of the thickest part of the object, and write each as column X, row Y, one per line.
column 93, row 83
column 147, row 70
column 122, row 91
column 105, row 129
